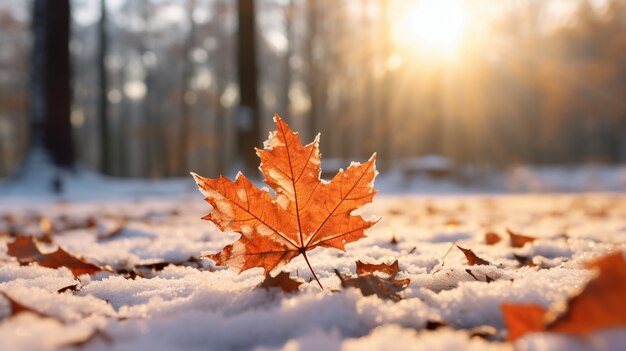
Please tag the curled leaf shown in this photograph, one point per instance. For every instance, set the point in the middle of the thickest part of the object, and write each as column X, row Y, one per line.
column 492, row 238
column 472, row 258
column 365, row 268
column 282, row 281
column 26, row 250
column 519, row 240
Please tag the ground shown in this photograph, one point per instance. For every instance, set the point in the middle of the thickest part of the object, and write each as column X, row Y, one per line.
column 197, row 306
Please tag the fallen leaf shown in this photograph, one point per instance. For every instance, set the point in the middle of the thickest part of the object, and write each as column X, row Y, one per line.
column 365, row 268
column 72, row 288
column 519, row 240
column 599, row 305
column 522, row 319
column 370, row 284
column 471, row 257
column 110, row 233
column 282, row 280
column 26, row 250
column 488, row 279
column 492, row 238
column 306, row 212
column 524, row 261
column 393, row 240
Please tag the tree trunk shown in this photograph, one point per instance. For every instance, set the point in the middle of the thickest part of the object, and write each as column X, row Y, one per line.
column 50, row 83
column 248, row 131
column 184, row 137
column 103, row 106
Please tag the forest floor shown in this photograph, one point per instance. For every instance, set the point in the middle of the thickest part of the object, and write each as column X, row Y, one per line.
column 192, row 305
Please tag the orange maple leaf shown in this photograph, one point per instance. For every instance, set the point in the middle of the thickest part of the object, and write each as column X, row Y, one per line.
column 598, row 306
column 306, row 213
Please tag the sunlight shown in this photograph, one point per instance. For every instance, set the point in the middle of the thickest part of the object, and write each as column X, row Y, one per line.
column 434, row 24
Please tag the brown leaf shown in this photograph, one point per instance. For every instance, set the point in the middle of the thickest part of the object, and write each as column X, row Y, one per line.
column 282, row 280
column 519, row 240
column 26, row 250
column 366, row 268
column 524, row 261
column 600, row 305
column 472, row 259
column 492, row 238
column 370, row 284
column 111, row 232
column 393, row 240
column 306, row 212
column 72, row 288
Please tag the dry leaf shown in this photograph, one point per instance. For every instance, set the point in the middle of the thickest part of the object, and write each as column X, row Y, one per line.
column 600, row 305
column 72, row 288
column 524, row 261
column 519, row 240
column 370, row 284
column 365, row 268
column 472, row 259
column 306, row 212
column 492, row 238
column 282, row 280
column 26, row 251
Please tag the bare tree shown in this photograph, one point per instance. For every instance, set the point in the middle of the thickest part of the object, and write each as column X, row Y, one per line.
column 248, row 126
column 103, row 106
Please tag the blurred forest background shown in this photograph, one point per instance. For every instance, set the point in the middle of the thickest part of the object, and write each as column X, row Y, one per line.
column 161, row 87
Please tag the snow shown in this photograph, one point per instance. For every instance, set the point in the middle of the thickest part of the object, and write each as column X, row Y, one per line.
column 185, row 308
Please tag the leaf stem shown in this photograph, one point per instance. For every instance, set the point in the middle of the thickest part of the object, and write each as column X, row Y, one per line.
column 312, row 271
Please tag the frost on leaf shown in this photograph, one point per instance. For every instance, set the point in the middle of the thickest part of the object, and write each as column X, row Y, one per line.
column 306, row 212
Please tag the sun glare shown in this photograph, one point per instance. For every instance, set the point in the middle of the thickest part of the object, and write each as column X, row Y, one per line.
column 434, row 24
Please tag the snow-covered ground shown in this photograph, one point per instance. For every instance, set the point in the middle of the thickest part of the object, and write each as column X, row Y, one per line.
column 200, row 307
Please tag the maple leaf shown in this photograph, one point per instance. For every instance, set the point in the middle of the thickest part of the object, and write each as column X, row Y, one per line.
column 472, row 258
column 599, row 305
column 282, row 280
column 26, row 250
column 306, row 212
column 365, row 268
column 369, row 283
